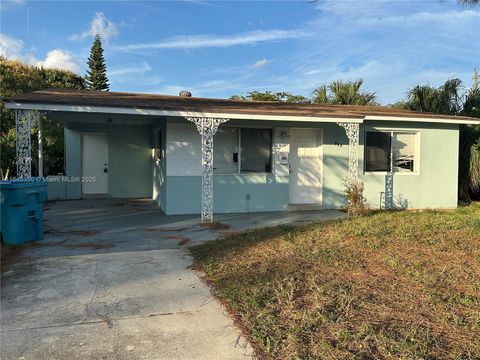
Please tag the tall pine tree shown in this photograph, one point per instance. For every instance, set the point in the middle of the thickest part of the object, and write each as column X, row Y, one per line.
column 96, row 78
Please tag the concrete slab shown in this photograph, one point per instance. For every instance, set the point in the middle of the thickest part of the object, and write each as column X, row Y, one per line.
column 112, row 280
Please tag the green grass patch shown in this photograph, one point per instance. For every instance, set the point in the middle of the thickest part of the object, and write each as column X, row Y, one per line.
column 389, row 285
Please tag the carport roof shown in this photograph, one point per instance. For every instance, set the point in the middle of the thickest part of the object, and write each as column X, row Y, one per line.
column 154, row 104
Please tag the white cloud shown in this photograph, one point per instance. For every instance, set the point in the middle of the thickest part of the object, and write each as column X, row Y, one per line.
column 13, row 49
column 132, row 69
column 135, row 76
column 216, row 41
column 261, row 63
column 8, row 4
column 10, row 47
column 421, row 18
column 99, row 25
column 59, row 59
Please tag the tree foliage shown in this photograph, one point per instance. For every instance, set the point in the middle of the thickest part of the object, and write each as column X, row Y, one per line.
column 282, row 96
column 446, row 99
column 469, row 2
column 15, row 79
column 96, row 78
column 451, row 99
column 344, row 93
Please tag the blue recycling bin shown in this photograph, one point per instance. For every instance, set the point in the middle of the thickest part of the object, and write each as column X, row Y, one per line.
column 22, row 210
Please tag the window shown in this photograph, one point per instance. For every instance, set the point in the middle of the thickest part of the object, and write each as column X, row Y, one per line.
column 256, row 150
column 242, row 150
column 383, row 146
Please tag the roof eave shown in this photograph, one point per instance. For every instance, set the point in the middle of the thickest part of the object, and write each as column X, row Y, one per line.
column 178, row 113
column 232, row 115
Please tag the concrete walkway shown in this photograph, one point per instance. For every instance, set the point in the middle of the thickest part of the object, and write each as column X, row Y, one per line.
column 112, row 280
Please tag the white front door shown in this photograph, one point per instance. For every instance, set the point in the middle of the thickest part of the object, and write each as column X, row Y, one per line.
column 305, row 166
column 94, row 164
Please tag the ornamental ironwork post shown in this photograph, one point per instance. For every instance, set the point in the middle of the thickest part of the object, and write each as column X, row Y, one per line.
column 353, row 131
column 389, row 201
column 207, row 127
column 24, row 120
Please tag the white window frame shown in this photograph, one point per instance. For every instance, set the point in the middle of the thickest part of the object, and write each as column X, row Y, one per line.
column 239, row 147
column 416, row 164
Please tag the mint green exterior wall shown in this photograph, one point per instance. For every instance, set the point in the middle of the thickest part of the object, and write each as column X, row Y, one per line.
column 73, row 161
column 265, row 193
column 133, row 173
column 129, row 157
column 435, row 185
column 56, row 188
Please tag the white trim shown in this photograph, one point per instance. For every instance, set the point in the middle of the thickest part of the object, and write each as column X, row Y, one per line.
column 415, row 132
column 420, row 119
column 132, row 111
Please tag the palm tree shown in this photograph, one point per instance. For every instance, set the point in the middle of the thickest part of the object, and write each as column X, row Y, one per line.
column 442, row 100
column 344, row 93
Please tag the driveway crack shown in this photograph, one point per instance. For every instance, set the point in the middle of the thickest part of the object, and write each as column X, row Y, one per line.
column 89, row 306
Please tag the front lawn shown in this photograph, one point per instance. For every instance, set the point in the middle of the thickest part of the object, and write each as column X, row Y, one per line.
column 391, row 285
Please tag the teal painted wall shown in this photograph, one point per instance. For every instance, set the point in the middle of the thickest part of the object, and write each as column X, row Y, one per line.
column 56, row 188
column 134, row 174
column 265, row 192
column 73, row 161
column 335, row 165
column 130, row 158
column 435, row 185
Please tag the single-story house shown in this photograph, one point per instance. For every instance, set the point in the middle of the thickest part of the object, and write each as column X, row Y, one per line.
column 200, row 155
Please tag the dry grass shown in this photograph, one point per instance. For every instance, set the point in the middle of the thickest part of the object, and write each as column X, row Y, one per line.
column 391, row 285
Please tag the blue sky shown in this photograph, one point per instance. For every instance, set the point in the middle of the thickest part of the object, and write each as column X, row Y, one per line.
column 221, row 48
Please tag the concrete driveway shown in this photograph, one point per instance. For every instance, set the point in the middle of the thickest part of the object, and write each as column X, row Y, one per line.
column 112, row 280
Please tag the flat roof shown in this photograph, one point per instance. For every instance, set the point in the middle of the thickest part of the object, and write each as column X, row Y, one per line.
column 151, row 104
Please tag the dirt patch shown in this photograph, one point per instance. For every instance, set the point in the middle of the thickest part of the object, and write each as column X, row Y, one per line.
column 73, row 232
column 226, row 234
column 216, row 226
column 182, row 240
column 9, row 255
column 120, row 204
column 163, row 229
column 88, row 245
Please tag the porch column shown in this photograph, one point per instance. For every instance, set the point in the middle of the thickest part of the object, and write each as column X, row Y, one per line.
column 207, row 127
column 24, row 119
column 40, row 147
column 353, row 130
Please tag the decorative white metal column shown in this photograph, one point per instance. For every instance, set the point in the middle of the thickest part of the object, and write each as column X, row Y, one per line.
column 353, row 130
column 24, row 120
column 40, row 147
column 207, row 127
column 389, row 201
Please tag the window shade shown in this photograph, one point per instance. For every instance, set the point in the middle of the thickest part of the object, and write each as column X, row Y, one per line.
column 225, row 144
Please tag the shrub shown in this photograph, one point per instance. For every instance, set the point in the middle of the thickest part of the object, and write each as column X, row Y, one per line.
column 356, row 202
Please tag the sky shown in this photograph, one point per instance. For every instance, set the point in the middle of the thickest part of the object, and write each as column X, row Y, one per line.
column 223, row 48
